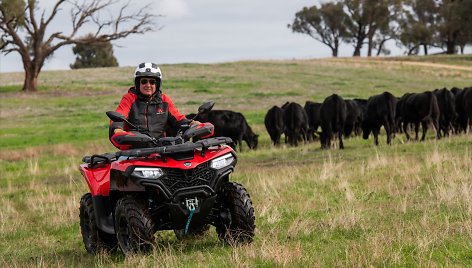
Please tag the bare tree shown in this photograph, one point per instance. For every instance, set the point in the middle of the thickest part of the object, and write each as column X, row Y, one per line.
column 34, row 47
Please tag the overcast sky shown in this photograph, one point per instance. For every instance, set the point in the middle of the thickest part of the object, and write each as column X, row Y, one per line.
column 204, row 31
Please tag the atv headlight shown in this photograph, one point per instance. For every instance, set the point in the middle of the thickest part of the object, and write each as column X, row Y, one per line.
column 222, row 161
column 147, row 173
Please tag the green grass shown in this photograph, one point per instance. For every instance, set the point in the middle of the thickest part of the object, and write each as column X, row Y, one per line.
column 409, row 204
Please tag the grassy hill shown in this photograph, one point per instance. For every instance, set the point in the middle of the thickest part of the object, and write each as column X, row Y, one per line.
column 409, row 204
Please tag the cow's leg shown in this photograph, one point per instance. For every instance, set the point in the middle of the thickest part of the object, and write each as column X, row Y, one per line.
column 424, row 125
column 405, row 129
column 436, row 128
column 417, row 129
column 340, row 137
column 388, row 130
column 305, row 136
column 376, row 132
column 240, row 141
column 311, row 134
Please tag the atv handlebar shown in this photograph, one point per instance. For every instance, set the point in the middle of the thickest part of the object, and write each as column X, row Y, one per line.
column 185, row 147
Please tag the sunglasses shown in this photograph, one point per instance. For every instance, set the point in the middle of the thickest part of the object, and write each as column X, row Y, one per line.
column 145, row 81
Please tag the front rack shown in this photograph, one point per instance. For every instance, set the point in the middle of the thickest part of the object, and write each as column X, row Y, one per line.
column 163, row 150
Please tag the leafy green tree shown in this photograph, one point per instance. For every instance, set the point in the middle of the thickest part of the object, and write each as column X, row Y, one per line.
column 418, row 25
column 94, row 55
column 454, row 23
column 325, row 24
column 367, row 18
column 24, row 32
column 356, row 25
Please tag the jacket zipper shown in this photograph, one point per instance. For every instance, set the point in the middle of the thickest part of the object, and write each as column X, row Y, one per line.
column 146, row 116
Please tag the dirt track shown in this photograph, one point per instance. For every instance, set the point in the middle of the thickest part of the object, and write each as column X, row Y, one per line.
column 411, row 63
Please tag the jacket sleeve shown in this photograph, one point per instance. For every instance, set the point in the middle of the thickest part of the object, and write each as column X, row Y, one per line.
column 175, row 118
column 123, row 108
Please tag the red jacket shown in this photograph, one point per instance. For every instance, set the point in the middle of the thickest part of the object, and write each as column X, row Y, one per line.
column 153, row 114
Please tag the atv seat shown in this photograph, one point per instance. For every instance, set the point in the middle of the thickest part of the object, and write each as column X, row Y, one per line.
column 99, row 159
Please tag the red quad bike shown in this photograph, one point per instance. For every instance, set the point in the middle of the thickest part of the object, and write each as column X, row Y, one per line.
column 165, row 184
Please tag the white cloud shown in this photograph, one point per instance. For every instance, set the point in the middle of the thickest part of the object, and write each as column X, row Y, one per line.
column 173, row 8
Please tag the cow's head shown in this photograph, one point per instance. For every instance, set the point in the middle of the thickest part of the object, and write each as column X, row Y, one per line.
column 252, row 141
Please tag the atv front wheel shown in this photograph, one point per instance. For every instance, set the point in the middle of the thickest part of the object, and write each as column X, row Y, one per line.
column 133, row 226
column 95, row 240
column 237, row 214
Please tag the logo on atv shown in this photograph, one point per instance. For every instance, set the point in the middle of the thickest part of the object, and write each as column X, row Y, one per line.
column 187, row 164
column 191, row 203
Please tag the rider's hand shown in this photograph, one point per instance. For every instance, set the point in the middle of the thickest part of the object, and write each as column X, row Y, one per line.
column 118, row 130
column 195, row 122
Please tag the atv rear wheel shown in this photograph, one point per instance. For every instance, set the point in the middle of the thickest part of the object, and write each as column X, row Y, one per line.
column 95, row 240
column 237, row 214
column 133, row 226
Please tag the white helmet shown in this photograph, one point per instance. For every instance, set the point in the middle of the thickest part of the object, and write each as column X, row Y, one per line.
column 148, row 69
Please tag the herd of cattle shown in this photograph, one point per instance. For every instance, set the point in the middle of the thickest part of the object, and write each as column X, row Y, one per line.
column 447, row 111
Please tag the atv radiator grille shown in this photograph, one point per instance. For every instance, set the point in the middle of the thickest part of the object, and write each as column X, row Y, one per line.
column 177, row 178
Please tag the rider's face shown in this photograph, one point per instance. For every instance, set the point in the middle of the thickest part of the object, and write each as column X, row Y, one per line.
column 147, row 86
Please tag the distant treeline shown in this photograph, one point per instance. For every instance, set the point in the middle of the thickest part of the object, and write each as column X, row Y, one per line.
column 413, row 24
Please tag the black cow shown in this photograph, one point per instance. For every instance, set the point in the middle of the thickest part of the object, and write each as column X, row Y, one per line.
column 353, row 117
column 447, row 110
column 333, row 115
column 230, row 124
column 295, row 122
column 380, row 112
column 398, row 113
column 467, row 102
column 312, row 110
column 455, row 90
column 362, row 103
column 460, row 123
column 419, row 108
column 274, row 123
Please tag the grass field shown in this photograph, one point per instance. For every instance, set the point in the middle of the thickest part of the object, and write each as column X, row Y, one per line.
column 409, row 204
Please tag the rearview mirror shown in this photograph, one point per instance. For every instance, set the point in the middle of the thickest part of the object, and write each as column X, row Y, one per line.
column 206, row 107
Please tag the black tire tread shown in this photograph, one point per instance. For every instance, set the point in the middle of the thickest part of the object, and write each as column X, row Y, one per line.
column 235, row 197
column 136, row 214
column 99, row 240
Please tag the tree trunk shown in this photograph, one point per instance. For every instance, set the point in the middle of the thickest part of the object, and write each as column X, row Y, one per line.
column 370, row 45
column 451, row 43
column 335, row 48
column 450, row 47
column 425, row 48
column 412, row 50
column 357, row 49
column 31, row 82
column 31, row 79
column 380, row 48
